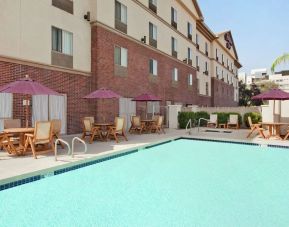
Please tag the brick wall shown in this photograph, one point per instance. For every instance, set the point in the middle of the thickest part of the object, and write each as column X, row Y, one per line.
column 75, row 86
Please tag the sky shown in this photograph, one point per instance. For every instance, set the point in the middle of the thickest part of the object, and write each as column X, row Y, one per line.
column 260, row 28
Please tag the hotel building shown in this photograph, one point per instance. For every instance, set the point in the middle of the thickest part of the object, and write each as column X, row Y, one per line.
column 161, row 47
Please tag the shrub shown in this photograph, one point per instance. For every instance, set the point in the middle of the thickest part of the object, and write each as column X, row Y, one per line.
column 256, row 117
column 202, row 114
column 184, row 117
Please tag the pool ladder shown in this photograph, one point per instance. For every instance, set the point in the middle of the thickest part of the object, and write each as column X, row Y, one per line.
column 199, row 122
column 70, row 151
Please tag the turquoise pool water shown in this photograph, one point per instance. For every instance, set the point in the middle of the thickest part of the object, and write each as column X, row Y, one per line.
column 182, row 183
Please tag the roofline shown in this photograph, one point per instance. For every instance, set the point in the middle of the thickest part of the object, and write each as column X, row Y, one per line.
column 199, row 11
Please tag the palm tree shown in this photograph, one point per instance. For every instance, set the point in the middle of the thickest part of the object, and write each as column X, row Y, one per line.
column 282, row 59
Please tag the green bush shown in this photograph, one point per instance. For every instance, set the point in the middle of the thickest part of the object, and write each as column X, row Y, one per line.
column 256, row 117
column 184, row 117
column 223, row 117
column 202, row 114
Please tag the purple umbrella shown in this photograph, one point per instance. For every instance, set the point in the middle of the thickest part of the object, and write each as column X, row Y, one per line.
column 27, row 86
column 147, row 98
column 274, row 94
column 102, row 93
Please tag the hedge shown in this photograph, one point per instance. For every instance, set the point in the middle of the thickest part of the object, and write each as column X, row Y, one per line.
column 256, row 118
column 184, row 117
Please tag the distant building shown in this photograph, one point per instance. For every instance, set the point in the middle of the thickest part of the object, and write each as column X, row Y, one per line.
column 242, row 77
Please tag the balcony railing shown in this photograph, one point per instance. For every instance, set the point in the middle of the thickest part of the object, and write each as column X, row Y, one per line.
column 174, row 24
column 153, row 42
column 174, row 53
column 120, row 26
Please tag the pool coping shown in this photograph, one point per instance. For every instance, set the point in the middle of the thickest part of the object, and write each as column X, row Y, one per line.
column 56, row 170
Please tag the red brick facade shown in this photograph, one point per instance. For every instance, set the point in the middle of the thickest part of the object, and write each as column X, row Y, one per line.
column 75, row 86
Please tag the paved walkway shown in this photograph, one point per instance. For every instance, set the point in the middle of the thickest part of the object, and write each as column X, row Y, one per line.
column 12, row 166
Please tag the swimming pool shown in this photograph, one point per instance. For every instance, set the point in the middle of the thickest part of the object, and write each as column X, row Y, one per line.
column 181, row 183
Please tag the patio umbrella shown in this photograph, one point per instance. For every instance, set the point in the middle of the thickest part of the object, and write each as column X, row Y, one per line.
column 102, row 94
column 27, row 86
column 274, row 94
column 147, row 98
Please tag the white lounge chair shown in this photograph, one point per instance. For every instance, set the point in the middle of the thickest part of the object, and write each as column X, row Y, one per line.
column 213, row 122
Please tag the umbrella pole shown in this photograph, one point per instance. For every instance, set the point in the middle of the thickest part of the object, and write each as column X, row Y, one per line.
column 103, row 118
column 274, row 111
column 26, row 112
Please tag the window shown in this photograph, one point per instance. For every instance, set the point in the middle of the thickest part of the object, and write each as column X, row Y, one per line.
column 190, row 54
column 120, row 56
column 217, row 58
column 190, row 31
column 206, row 69
column 174, row 47
column 197, row 41
column 190, row 79
column 223, row 59
column 217, row 72
column 207, row 88
column 174, row 18
column 198, row 86
column 197, row 63
column 153, row 5
column 62, row 41
column 175, row 75
column 153, row 35
column 153, row 67
column 120, row 17
column 206, row 48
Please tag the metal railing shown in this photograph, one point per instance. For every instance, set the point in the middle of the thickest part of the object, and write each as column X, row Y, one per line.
column 56, row 149
column 189, row 124
column 199, row 122
column 79, row 140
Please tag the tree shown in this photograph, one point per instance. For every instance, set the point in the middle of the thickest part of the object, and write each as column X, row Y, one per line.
column 282, row 59
column 246, row 94
column 267, row 85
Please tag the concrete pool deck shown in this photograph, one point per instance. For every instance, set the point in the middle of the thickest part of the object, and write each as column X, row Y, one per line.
column 19, row 166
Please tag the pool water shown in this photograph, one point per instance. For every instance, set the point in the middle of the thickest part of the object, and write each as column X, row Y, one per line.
column 182, row 183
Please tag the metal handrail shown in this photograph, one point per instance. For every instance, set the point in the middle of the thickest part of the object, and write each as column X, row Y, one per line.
column 204, row 119
column 56, row 149
column 189, row 124
column 80, row 140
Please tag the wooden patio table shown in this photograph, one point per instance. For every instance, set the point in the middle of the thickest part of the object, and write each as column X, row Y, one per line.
column 103, row 129
column 21, row 132
column 148, row 124
column 274, row 128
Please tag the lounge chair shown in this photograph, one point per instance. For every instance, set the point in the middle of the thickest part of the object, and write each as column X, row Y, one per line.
column 136, row 125
column 255, row 127
column 89, row 130
column 233, row 121
column 42, row 136
column 118, row 129
column 287, row 135
column 213, row 122
column 56, row 129
column 7, row 142
column 158, row 125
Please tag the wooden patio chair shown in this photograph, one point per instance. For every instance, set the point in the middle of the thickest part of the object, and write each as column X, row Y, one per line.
column 136, row 125
column 233, row 121
column 213, row 122
column 158, row 125
column 42, row 136
column 118, row 129
column 90, row 130
column 287, row 135
column 255, row 127
column 8, row 144
column 56, row 129
column 91, row 119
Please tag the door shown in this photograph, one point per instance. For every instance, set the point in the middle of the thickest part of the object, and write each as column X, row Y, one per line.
column 127, row 108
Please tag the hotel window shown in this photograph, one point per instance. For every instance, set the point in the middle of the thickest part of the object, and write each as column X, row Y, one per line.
column 62, row 41
column 190, row 56
column 62, row 48
column 120, row 17
column 222, row 75
column 190, row 80
column 153, row 67
column 120, row 56
column 174, row 18
column 217, row 72
column 206, row 48
column 223, row 59
column 198, row 86
column 207, row 88
column 190, row 31
column 197, row 41
column 227, row 63
column 153, row 35
column 174, row 47
column 217, row 58
column 206, row 69
column 197, row 63
column 153, row 5
column 175, row 75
